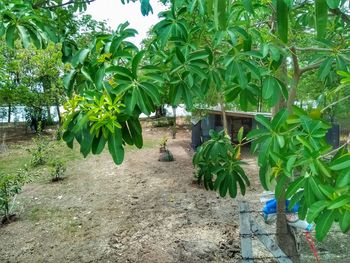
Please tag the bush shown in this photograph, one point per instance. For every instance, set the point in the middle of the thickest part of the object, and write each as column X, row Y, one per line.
column 163, row 122
column 10, row 186
column 58, row 169
column 218, row 166
column 40, row 151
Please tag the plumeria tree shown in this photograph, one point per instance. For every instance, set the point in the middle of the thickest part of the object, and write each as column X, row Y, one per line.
column 248, row 52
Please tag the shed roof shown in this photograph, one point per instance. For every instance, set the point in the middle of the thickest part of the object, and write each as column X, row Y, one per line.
column 240, row 114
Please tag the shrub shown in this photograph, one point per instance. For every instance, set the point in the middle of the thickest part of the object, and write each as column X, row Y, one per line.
column 163, row 122
column 58, row 169
column 40, row 151
column 10, row 186
column 218, row 165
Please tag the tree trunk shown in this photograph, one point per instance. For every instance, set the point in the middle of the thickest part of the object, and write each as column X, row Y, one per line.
column 160, row 111
column 48, row 108
column 286, row 239
column 9, row 113
column 58, row 112
column 174, row 125
column 224, row 117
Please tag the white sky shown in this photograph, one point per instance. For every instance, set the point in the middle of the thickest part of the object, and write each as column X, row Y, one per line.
column 115, row 13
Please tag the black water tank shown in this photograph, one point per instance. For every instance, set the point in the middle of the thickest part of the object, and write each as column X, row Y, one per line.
column 207, row 124
column 196, row 135
column 333, row 135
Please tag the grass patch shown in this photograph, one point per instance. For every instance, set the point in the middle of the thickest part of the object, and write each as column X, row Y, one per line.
column 18, row 156
column 147, row 144
column 13, row 160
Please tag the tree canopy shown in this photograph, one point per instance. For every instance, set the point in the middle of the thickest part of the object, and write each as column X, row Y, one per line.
column 243, row 52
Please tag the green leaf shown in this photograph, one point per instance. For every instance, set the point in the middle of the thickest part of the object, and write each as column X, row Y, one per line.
column 136, row 61
column 11, row 35
column 25, row 37
column 333, row 4
column 282, row 20
column 315, row 210
column 121, row 71
column 115, row 146
column 248, row 6
column 198, row 54
column 270, row 86
column 314, row 187
column 325, row 68
column 68, row 81
column 232, row 186
column 309, row 196
column 343, row 179
column 98, row 144
column 179, row 55
column 295, row 186
column 85, row 72
column 85, row 144
column 341, row 163
column 240, row 135
column 80, row 57
column 279, row 119
column 220, row 19
column 136, row 132
column 281, row 183
column 2, row 29
column 324, row 223
column 321, row 18
column 290, row 163
column 344, row 221
column 152, row 92
column 339, row 202
column 264, row 121
column 99, row 78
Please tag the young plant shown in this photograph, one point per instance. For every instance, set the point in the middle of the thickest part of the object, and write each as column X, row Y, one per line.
column 218, row 166
column 10, row 186
column 40, row 151
column 58, row 169
column 163, row 144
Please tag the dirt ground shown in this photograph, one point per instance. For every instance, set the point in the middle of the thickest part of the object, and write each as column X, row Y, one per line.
column 141, row 211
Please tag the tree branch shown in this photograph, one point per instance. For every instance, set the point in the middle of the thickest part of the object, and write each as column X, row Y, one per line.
column 295, row 61
column 318, row 49
column 43, row 4
column 336, row 102
column 310, row 67
column 338, row 12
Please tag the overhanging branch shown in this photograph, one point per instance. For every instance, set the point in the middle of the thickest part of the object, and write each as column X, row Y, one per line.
column 310, row 67
column 44, row 4
column 319, row 49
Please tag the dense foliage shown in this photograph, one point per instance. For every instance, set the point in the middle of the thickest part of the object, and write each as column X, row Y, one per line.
column 242, row 52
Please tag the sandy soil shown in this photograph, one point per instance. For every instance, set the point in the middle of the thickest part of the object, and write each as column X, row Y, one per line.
column 141, row 211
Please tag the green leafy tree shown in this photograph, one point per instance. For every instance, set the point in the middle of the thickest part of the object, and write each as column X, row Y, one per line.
column 246, row 51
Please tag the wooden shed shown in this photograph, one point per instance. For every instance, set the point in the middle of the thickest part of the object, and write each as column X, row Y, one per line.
column 213, row 121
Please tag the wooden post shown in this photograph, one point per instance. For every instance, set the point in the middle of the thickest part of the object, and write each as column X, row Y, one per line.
column 269, row 243
column 245, row 233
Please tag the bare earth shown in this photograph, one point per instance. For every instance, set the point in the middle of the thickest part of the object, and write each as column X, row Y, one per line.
column 141, row 211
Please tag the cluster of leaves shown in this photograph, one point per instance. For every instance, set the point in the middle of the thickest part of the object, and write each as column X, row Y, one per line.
column 58, row 169
column 40, row 152
column 112, row 88
column 218, row 166
column 292, row 150
column 10, row 186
